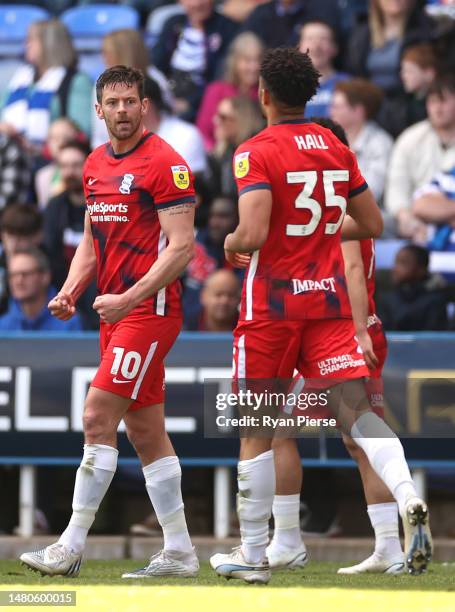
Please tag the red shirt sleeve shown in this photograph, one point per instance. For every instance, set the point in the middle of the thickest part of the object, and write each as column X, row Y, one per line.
column 250, row 169
column 172, row 181
column 357, row 183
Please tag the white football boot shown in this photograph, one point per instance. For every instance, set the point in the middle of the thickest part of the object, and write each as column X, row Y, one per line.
column 54, row 560
column 418, row 543
column 290, row 558
column 376, row 564
column 168, row 563
column 234, row 565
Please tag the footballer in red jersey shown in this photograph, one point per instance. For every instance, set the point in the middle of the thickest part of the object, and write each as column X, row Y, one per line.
column 138, row 239
column 296, row 183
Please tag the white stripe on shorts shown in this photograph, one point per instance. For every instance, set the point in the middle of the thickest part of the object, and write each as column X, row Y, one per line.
column 145, row 365
column 249, row 285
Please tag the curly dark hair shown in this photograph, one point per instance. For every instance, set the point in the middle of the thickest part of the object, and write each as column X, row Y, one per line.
column 290, row 76
column 120, row 74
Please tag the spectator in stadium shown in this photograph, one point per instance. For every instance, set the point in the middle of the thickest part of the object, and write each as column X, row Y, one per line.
column 434, row 204
column 418, row 301
column 241, row 77
column 278, row 22
column 21, row 227
column 236, row 120
column 29, row 279
column 190, row 51
column 15, row 171
column 418, row 68
column 182, row 135
column 48, row 182
column 220, row 298
column 422, row 150
column 48, row 87
column 319, row 40
column 208, row 255
column 375, row 46
column 64, row 224
column 355, row 105
column 126, row 47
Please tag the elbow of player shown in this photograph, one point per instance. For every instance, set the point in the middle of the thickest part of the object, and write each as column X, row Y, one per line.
column 375, row 225
column 185, row 251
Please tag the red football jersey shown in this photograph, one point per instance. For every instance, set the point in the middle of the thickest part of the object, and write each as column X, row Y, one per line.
column 368, row 257
column 299, row 271
column 124, row 193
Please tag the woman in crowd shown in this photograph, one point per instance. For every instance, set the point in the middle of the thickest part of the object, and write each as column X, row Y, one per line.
column 48, row 87
column 241, row 78
column 126, row 47
column 236, row 119
column 375, row 46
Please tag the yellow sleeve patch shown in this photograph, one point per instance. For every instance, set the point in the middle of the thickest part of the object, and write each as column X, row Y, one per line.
column 242, row 164
column 181, row 176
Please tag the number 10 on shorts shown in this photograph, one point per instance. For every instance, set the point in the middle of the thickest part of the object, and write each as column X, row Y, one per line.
column 128, row 363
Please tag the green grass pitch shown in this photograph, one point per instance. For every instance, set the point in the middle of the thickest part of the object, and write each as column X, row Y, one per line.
column 316, row 588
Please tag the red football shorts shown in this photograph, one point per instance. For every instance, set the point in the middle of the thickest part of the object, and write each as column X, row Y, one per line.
column 132, row 355
column 318, row 349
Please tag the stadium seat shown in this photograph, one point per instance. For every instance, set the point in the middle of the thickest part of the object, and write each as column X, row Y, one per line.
column 156, row 21
column 89, row 24
column 15, row 20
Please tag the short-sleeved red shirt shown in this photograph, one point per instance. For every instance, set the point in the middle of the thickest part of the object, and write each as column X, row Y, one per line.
column 124, row 193
column 299, row 272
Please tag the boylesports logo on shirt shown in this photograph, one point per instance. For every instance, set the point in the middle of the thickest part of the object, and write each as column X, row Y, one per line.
column 99, row 212
column 241, row 164
column 181, row 176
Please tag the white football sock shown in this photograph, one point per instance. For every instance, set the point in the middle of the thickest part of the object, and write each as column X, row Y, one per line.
column 384, row 520
column 386, row 456
column 256, row 482
column 163, row 480
column 93, row 478
column 286, row 514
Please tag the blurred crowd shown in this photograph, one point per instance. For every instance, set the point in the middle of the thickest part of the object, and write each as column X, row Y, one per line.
column 387, row 76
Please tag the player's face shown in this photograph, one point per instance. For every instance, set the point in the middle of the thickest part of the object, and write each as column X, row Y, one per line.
column 122, row 110
column 26, row 280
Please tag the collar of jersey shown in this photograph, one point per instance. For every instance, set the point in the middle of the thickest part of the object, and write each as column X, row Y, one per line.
column 294, row 121
column 111, row 152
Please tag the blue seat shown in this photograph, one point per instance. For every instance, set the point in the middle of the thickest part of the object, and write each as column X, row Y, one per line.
column 89, row 24
column 15, row 20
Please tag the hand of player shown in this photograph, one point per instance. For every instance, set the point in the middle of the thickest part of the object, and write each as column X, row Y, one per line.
column 62, row 306
column 111, row 308
column 366, row 344
column 238, row 260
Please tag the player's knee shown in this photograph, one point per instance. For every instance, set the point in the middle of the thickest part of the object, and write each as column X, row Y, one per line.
column 140, row 440
column 96, row 425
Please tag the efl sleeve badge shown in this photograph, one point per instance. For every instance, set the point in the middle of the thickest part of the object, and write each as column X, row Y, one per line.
column 181, row 176
column 241, row 164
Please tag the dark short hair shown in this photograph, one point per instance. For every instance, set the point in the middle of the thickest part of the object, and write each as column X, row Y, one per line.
column 21, row 220
column 82, row 147
column 41, row 258
column 362, row 92
column 290, row 76
column 421, row 254
column 333, row 126
column 443, row 84
column 120, row 75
